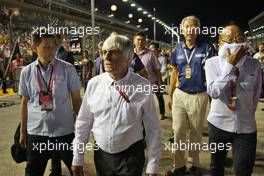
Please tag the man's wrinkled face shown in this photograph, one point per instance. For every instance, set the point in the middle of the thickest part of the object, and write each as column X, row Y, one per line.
column 231, row 34
column 114, row 61
column 190, row 29
column 139, row 41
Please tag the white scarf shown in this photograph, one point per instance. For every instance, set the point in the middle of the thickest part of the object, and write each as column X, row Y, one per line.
column 223, row 54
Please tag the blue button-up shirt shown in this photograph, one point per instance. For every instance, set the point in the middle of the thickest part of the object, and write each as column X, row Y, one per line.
column 59, row 121
column 202, row 51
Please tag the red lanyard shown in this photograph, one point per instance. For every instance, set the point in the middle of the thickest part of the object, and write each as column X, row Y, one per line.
column 48, row 86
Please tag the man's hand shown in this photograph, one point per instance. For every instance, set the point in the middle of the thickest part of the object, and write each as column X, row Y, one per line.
column 173, row 81
column 233, row 58
column 77, row 170
column 23, row 121
column 146, row 174
column 22, row 140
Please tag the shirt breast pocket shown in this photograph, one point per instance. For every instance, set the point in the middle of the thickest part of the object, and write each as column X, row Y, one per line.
column 130, row 113
column 60, row 87
column 248, row 83
column 99, row 107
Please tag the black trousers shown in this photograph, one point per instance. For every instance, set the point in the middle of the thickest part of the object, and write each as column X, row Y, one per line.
column 243, row 150
column 41, row 148
column 55, row 164
column 161, row 103
column 129, row 162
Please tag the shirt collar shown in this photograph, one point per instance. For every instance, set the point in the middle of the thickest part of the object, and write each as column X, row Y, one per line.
column 122, row 81
column 185, row 47
column 142, row 52
column 51, row 64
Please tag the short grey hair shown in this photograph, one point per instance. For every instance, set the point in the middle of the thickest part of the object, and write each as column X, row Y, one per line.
column 121, row 43
column 191, row 17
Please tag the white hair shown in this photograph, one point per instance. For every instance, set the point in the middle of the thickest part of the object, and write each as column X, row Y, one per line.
column 191, row 17
column 121, row 43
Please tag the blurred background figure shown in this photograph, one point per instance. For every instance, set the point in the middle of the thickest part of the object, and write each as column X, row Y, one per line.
column 87, row 68
column 152, row 66
column 16, row 63
column 162, row 59
column 260, row 54
column 99, row 63
column 63, row 50
column 2, row 73
column 16, row 67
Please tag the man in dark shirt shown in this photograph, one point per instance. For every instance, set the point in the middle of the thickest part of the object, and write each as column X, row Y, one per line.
column 189, row 100
column 63, row 50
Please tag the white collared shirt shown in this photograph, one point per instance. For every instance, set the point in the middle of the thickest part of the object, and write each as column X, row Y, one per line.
column 248, row 88
column 115, row 123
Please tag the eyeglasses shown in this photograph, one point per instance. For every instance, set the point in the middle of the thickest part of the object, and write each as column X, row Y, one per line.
column 236, row 40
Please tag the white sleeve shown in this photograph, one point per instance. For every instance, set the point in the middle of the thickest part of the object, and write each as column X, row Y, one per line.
column 83, row 126
column 256, row 56
column 153, row 135
column 217, row 82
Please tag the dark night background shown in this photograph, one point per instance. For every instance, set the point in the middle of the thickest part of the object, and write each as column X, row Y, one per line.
column 211, row 13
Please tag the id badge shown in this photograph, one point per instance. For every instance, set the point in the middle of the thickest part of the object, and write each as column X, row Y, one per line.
column 188, row 72
column 45, row 101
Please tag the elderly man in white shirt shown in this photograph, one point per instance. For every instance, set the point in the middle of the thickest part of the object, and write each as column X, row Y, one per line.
column 234, row 83
column 117, row 114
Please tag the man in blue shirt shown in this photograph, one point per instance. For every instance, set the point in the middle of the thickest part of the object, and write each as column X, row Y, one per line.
column 47, row 88
column 189, row 100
